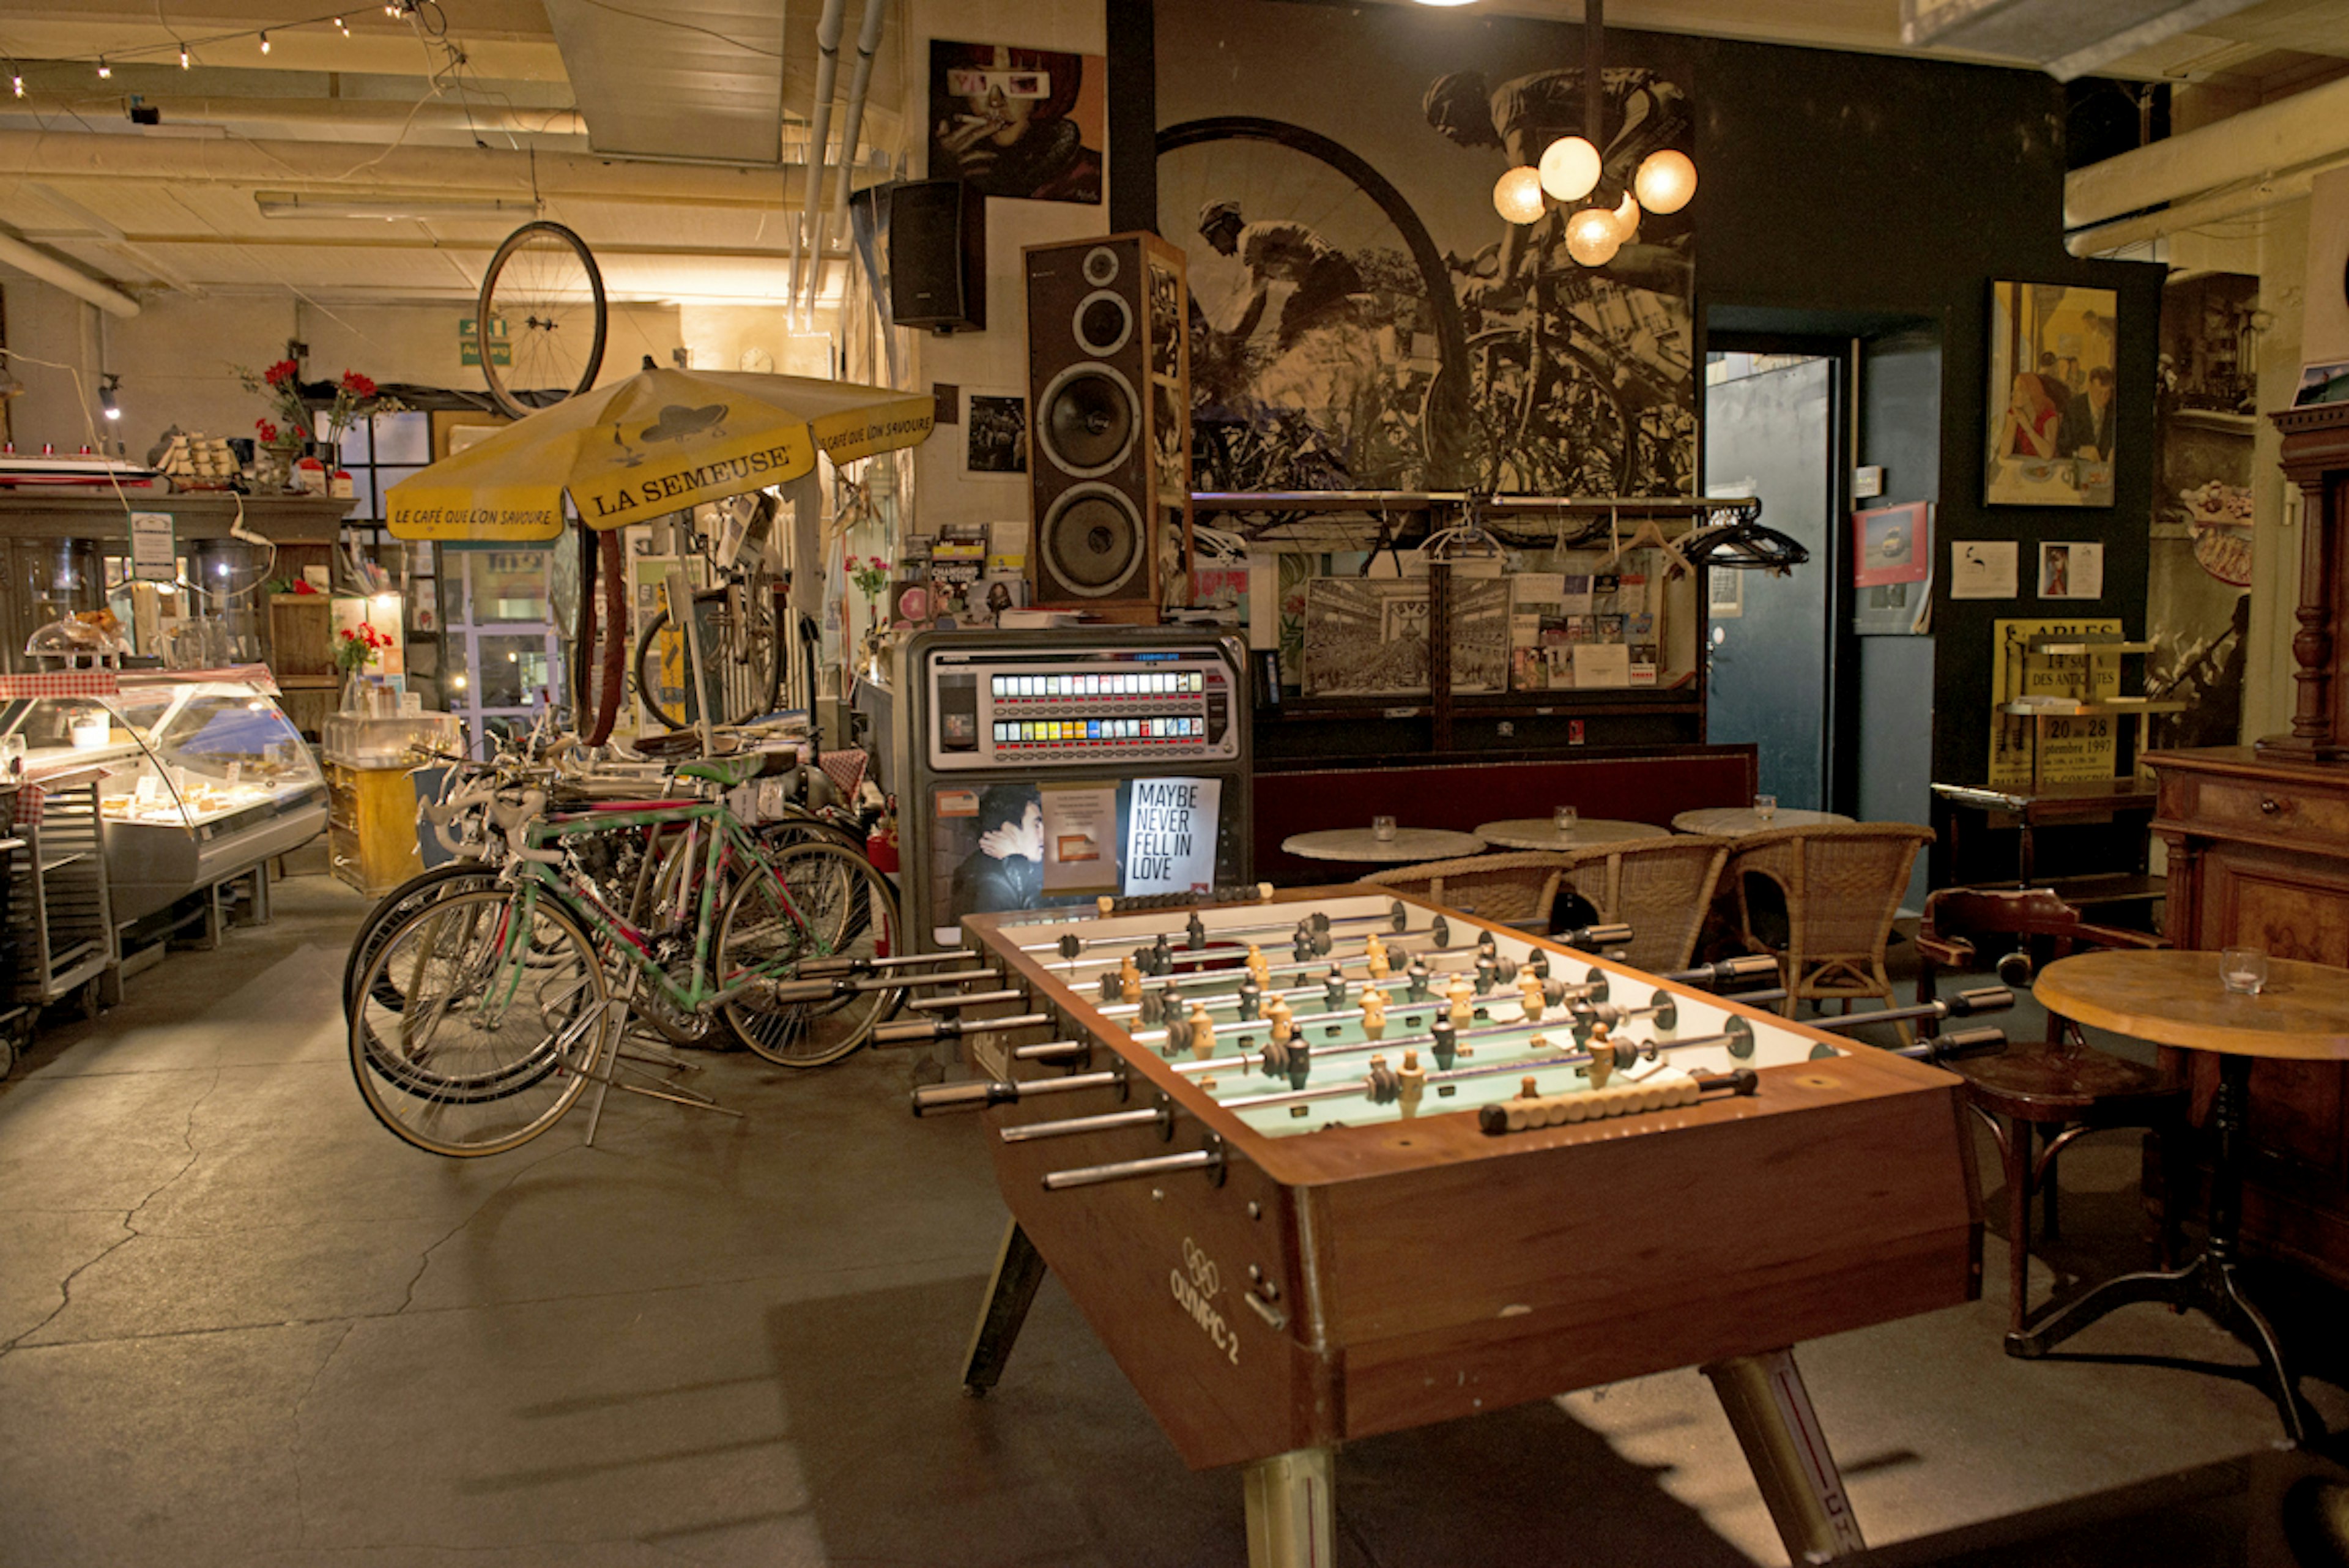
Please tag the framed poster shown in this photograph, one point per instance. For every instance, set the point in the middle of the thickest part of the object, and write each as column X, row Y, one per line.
column 1892, row 545
column 1026, row 123
column 2050, row 403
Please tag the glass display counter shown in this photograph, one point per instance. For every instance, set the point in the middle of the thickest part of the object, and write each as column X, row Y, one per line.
column 201, row 777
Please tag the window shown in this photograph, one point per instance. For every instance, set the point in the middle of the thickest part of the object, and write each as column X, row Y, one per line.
column 380, row 451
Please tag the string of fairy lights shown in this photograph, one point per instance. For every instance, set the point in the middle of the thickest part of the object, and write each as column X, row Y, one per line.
column 423, row 15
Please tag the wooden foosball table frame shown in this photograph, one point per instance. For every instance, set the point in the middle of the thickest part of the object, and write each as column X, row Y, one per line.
column 1272, row 1297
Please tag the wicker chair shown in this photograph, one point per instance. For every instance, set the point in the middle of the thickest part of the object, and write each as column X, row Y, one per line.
column 1515, row 889
column 1660, row 886
column 1842, row 884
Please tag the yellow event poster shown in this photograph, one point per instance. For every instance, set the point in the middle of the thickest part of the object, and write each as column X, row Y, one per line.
column 2078, row 750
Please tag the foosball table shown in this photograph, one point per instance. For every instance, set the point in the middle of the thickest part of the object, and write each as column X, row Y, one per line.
column 1328, row 1164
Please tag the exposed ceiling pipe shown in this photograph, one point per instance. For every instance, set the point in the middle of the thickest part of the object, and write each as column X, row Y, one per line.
column 827, row 75
column 16, row 252
column 66, row 157
column 852, row 126
column 349, row 115
column 2258, row 142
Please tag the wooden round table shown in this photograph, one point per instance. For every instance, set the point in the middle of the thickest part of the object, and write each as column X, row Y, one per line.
column 2174, row 997
column 1408, row 846
column 1735, row 821
column 1540, row 833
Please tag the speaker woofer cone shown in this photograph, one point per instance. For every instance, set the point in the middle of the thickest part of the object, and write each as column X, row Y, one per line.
column 1104, row 323
column 1091, row 541
column 1088, row 420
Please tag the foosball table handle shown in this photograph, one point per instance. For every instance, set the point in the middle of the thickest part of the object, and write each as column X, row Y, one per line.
column 1209, row 1159
column 1959, row 1044
column 976, row 1095
column 1753, row 968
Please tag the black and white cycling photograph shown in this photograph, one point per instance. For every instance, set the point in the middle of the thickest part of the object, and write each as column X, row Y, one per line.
column 999, row 434
column 1363, row 314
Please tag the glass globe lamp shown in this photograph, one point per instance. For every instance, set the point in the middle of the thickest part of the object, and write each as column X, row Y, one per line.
column 1569, row 168
column 1517, row 195
column 1665, row 182
column 1590, row 236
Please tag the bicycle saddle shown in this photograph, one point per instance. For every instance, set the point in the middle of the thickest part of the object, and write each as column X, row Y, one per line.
column 740, row 768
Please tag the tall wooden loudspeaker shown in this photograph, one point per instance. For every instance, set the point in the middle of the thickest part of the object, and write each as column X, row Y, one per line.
column 1109, row 389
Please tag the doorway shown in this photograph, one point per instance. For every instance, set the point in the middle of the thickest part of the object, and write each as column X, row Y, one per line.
column 1773, row 424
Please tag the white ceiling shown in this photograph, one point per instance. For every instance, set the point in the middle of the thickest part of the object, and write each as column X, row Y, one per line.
column 507, row 105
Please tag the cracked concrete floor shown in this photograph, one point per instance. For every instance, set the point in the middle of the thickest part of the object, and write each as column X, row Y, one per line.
column 241, row 1324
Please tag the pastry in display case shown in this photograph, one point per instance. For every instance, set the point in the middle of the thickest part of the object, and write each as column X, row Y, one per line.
column 203, row 776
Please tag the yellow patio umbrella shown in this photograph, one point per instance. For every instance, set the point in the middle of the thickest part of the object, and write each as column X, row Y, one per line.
column 659, row 442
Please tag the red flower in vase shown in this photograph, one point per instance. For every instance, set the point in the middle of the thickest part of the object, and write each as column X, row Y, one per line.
column 268, row 431
column 356, row 385
column 282, row 374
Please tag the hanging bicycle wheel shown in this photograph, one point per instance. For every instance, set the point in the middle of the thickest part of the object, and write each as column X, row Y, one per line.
column 742, row 657
column 539, row 322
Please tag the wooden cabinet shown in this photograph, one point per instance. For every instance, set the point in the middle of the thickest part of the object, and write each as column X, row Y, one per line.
column 2259, row 856
column 372, row 826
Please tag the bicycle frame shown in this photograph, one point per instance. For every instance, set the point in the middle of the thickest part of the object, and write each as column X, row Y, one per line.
column 715, row 839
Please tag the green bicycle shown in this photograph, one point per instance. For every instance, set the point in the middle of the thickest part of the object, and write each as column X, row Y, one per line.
column 484, row 1013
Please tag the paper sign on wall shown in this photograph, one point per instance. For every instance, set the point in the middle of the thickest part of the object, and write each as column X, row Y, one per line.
column 154, row 555
column 1170, row 835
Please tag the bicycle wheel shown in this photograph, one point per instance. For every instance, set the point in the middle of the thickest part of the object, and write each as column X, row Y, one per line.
column 396, row 906
column 823, row 901
column 504, row 1011
column 742, row 660
column 545, row 289
column 1275, row 170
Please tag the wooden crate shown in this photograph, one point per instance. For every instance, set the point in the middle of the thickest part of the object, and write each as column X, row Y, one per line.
column 301, row 635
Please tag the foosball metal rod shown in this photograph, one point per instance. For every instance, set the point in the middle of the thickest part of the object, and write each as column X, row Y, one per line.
column 978, row 1094
column 818, row 990
column 1965, row 1005
column 1216, row 959
column 1229, row 996
column 969, row 999
column 922, row 1031
column 814, row 968
column 1209, row 1159
column 1955, row 1046
column 1397, row 915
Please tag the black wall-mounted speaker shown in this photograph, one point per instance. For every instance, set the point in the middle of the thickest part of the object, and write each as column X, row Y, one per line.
column 937, row 255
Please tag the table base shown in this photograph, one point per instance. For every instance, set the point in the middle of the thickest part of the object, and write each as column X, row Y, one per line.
column 2211, row 1284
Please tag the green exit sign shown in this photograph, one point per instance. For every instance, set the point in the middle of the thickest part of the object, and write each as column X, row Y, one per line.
column 469, row 341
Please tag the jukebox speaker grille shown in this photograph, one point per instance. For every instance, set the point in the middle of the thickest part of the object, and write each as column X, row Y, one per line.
column 1092, row 540
column 1088, row 420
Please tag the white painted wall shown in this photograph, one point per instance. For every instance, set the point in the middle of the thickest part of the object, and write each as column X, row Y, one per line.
column 996, row 360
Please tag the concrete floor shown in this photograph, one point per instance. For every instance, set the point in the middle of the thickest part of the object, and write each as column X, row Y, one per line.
column 242, row 1324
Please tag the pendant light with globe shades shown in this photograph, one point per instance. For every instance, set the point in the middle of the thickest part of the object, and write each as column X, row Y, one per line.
column 1571, row 168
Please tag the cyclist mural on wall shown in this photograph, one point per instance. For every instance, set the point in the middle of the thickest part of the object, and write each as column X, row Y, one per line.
column 1361, row 316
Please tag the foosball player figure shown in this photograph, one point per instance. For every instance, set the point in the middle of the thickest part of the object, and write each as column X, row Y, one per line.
column 1203, row 1032
column 1417, row 977
column 1374, row 956
column 1195, row 932
column 1487, row 970
column 1284, row 1022
column 1529, row 990
column 1446, row 1043
column 1251, row 999
column 1464, row 1004
column 1258, row 967
column 1129, row 979
column 1414, row 1084
column 1374, row 1013
column 1602, row 1057
column 1333, row 989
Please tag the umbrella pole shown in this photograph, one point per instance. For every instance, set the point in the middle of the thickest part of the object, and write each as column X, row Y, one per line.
column 681, row 606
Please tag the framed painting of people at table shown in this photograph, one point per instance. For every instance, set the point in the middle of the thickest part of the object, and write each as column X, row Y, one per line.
column 2050, row 406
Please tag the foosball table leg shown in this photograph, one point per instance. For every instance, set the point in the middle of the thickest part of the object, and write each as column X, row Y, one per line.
column 1019, row 1270
column 1290, row 1520
column 1770, row 1411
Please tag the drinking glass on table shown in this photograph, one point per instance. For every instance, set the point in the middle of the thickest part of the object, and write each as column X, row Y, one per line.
column 1382, row 828
column 1562, row 819
column 2244, row 970
column 1765, row 807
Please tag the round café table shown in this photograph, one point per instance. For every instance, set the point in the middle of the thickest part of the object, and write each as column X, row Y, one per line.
column 1735, row 821
column 1409, row 845
column 2174, row 997
column 1540, row 833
